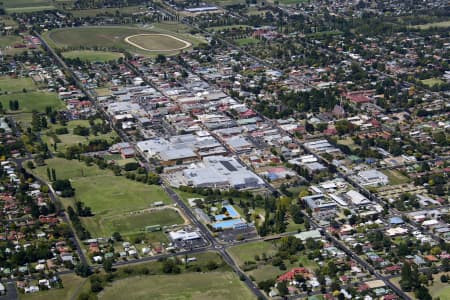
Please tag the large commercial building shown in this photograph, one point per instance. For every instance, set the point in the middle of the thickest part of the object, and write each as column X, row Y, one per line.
column 221, row 172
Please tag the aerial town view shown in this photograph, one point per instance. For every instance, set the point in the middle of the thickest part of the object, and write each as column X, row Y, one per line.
column 224, row 149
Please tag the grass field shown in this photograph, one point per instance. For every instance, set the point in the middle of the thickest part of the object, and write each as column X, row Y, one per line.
column 112, row 37
column 33, row 101
column 128, row 224
column 106, row 10
column 71, row 283
column 432, row 81
column 109, row 196
column 67, row 169
column 395, row 177
column 198, row 286
column 115, row 195
column 443, row 24
column 246, row 41
column 16, row 85
column 247, row 252
column 92, row 56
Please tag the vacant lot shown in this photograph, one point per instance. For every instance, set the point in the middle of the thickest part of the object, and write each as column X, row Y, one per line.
column 92, row 56
column 157, row 42
column 198, row 286
column 395, row 177
column 247, row 252
column 32, row 101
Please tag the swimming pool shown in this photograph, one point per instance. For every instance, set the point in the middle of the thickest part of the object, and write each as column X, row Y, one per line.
column 232, row 213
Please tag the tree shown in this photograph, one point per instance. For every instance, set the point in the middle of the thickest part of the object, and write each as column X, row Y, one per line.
column 108, row 265
column 160, row 59
column 422, row 293
column 282, row 288
column 83, row 270
column 116, row 236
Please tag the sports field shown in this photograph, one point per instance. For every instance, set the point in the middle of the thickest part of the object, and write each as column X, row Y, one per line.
column 92, row 56
column 151, row 41
column 20, row 6
column 157, row 42
column 198, row 286
column 432, row 81
column 133, row 223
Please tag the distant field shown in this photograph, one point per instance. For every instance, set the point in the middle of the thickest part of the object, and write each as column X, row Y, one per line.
column 113, row 37
column 71, row 283
column 107, row 10
column 198, row 286
column 33, row 101
column 432, row 81
column 92, row 56
column 435, row 24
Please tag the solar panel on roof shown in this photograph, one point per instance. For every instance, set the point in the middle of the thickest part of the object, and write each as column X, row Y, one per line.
column 228, row 165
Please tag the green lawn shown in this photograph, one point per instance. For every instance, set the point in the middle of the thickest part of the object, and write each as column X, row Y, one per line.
column 10, row 40
column 439, row 289
column 71, row 284
column 33, row 101
column 432, row 81
column 247, row 252
column 198, row 286
column 92, row 56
